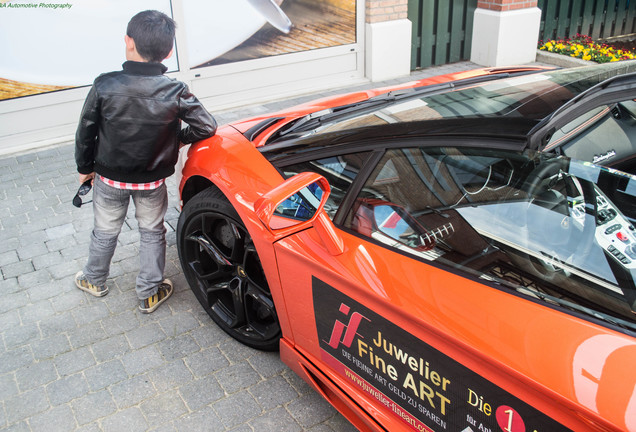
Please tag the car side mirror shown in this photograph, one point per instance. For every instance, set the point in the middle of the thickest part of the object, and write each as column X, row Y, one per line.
column 297, row 204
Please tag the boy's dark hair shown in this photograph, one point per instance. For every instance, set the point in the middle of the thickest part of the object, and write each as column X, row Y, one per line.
column 153, row 33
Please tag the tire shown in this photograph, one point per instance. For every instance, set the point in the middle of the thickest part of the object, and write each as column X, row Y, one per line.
column 223, row 269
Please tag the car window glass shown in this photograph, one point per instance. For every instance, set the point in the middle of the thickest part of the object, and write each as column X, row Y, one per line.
column 605, row 135
column 340, row 171
column 302, row 205
column 548, row 227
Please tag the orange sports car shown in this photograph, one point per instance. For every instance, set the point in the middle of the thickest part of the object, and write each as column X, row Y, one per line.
column 452, row 254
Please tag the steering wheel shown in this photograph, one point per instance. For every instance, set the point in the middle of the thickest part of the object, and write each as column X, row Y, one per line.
column 553, row 224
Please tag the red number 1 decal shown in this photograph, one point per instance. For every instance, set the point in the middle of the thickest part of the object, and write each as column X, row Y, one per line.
column 509, row 420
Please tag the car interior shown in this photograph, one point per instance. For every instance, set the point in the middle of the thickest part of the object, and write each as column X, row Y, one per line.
column 605, row 135
column 535, row 223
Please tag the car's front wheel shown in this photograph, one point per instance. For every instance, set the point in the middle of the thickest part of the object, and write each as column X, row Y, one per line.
column 223, row 269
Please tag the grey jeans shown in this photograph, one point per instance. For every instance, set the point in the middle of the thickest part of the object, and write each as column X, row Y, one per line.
column 110, row 206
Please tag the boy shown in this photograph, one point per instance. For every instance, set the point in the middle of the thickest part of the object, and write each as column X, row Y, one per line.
column 127, row 143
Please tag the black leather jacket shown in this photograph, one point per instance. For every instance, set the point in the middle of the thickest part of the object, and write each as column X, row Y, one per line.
column 130, row 126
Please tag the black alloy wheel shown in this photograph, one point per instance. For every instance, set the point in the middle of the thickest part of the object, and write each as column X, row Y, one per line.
column 223, row 269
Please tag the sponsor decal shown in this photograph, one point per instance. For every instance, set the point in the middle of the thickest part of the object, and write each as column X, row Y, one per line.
column 423, row 387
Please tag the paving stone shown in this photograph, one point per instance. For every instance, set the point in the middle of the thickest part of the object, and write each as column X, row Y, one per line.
column 14, row 359
column 8, row 387
column 9, row 319
column 105, row 374
column 50, row 259
column 232, row 417
column 130, row 420
column 56, row 324
column 206, row 362
column 93, row 406
column 26, row 158
column 338, row 423
column 60, row 271
column 9, row 257
column 9, row 286
column 171, row 376
column 201, row 392
column 145, row 335
column 87, row 334
column 34, row 278
column 243, row 428
column 267, row 363
column 178, row 347
column 237, row 377
column 297, row 383
column 202, row 420
column 17, row 269
column 90, row 313
column 12, row 222
column 35, row 224
column 20, row 335
column 111, row 348
column 38, row 311
column 17, row 427
column 13, row 301
column 66, row 389
column 10, row 241
column 310, row 409
column 127, row 238
column 163, row 408
column 58, row 244
column 35, row 375
column 57, row 419
column 132, row 391
column 179, row 323
column 235, row 351
column 142, row 360
column 120, row 323
column 68, row 300
column 46, row 291
column 50, row 347
column 60, row 231
column 22, row 209
column 74, row 361
column 273, row 392
column 26, row 405
column 275, row 420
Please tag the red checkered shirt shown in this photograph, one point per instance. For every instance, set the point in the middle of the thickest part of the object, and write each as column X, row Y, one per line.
column 132, row 186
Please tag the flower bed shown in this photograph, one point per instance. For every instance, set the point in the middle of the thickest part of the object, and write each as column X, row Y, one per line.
column 585, row 48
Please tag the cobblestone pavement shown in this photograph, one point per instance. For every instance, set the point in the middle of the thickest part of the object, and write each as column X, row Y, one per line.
column 73, row 362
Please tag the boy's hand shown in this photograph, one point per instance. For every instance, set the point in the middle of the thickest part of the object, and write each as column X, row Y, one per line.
column 85, row 177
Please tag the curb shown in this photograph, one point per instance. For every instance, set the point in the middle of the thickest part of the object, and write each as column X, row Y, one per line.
column 561, row 60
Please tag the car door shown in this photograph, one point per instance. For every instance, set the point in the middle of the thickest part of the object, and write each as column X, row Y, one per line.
column 468, row 289
column 597, row 126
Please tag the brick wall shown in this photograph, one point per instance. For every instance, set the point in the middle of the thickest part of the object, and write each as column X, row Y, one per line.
column 506, row 5
column 386, row 10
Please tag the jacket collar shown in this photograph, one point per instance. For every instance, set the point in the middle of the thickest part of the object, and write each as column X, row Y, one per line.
column 141, row 68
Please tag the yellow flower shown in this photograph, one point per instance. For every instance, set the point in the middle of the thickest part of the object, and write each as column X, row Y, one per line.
column 587, row 57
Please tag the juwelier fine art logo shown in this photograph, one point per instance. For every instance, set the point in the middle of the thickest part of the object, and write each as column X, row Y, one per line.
column 9, row 4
